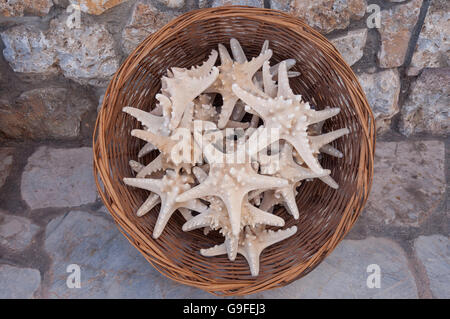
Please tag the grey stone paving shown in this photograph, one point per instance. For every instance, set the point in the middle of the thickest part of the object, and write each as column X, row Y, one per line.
column 16, row 232
column 344, row 273
column 434, row 253
column 59, row 178
column 16, row 282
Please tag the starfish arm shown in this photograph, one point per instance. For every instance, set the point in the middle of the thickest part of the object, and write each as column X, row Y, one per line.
column 235, row 124
column 163, row 143
column 272, row 237
column 203, row 70
column 148, row 205
column 251, row 253
column 261, row 217
column 233, row 202
column 232, row 244
column 320, row 140
column 150, row 184
column 300, row 173
column 319, row 116
column 257, row 62
column 167, row 210
column 136, row 166
column 186, row 213
column 199, row 191
column 200, row 174
column 238, row 52
column 289, row 201
column 330, row 150
column 165, row 103
column 270, row 87
column 214, row 251
column 199, row 221
column 154, row 123
column 148, row 147
column 265, row 46
column 238, row 111
column 284, row 90
column 259, row 105
column 303, row 148
column 195, row 205
column 225, row 57
column 255, row 181
column 229, row 101
column 154, row 166
column 289, row 64
column 269, row 201
column 329, row 181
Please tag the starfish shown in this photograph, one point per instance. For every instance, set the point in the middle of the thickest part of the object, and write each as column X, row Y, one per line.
column 184, row 86
column 290, row 116
column 216, row 217
column 283, row 165
column 231, row 182
column 168, row 188
column 254, row 241
column 240, row 71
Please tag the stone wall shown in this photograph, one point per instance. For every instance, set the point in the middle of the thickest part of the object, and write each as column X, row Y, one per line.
column 53, row 77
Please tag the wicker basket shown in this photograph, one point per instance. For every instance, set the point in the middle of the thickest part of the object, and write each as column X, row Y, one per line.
column 326, row 215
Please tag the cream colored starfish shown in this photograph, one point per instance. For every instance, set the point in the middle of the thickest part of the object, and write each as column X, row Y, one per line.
column 283, row 165
column 254, row 241
column 231, row 182
column 217, row 218
column 168, row 188
column 240, row 71
column 290, row 116
column 184, row 87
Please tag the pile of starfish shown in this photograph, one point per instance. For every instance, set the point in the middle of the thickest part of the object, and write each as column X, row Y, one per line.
column 229, row 111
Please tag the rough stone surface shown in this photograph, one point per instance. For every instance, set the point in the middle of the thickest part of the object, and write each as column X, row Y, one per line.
column 16, row 232
column 144, row 20
column 426, row 109
column 344, row 274
column 42, row 113
column 110, row 266
column 29, row 50
column 10, row 276
column 433, row 46
column 409, row 182
column 395, row 30
column 6, row 160
column 17, row 8
column 351, row 45
column 59, row 178
column 84, row 54
column 172, row 3
column 252, row 3
column 382, row 91
column 326, row 15
column 434, row 254
column 96, row 6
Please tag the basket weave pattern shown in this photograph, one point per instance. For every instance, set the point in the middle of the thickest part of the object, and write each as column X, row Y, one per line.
column 326, row 214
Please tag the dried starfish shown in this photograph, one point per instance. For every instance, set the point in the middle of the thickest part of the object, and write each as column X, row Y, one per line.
column 254, row 241
column 283, row 165
column 240, row 71
column 231, row 182
column 290, row 116
column 184, row 87
column 168, row 188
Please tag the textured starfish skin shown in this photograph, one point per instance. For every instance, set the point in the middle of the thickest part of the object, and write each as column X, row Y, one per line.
column 231, row 182
column 252, row 245
column 168, row 188
column 240, row 71
column 288, row 114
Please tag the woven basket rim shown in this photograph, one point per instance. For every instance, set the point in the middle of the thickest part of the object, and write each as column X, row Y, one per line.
column 113, row 201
